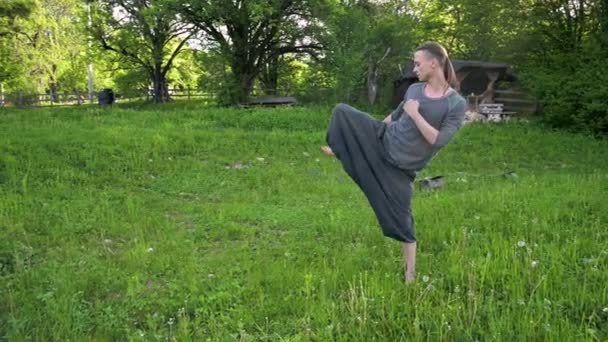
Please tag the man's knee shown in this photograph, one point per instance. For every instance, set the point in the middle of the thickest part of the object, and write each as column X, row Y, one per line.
column 341, row 108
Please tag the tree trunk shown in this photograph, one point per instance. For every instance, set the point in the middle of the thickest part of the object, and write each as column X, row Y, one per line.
column 372, row 76
column 244, row 75
column 372, row 81
column 270, row 76
column 161, row 92
column 246, row 86
column 1, row 94
column 53, row 91
column 53, row 86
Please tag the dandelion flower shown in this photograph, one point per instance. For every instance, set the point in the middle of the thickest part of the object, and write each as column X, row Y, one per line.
column 521, row 244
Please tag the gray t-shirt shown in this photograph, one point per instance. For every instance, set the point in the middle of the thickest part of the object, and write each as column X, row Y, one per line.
column 406, row 146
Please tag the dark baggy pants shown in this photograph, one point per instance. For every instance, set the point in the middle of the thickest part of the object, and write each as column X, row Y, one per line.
column 356, row 139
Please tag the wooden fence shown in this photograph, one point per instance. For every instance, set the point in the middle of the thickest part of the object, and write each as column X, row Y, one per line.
column 516, row 101
column 22, row 99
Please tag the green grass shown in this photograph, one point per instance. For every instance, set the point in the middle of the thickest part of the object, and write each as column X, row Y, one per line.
column 193, row 223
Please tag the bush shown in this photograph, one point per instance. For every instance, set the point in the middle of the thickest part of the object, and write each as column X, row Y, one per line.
column 572, row 90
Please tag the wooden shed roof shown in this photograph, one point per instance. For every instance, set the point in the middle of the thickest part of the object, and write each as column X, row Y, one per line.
column 505, row 70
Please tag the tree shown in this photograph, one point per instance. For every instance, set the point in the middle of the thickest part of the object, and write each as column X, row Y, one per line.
column 390, row 42
column 366, row 41
column 47, row 48
column 56, row 48
column 10, row 13
column 252, row 34
column 145, row 33
column 601, row 17
column 566, row 53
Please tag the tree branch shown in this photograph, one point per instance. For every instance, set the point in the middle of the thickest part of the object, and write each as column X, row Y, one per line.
column 123, row 51
column 174, row 54
column 388, row 50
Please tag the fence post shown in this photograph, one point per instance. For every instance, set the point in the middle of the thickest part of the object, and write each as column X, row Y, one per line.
column 78, row 97
column 19, row 99
column 188, row 93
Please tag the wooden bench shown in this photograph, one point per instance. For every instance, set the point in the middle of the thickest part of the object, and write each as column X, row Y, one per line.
column 271, row 101
column 494, row 112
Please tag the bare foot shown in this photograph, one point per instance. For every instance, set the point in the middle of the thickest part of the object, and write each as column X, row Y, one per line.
column 327, row 150
column 410, row 277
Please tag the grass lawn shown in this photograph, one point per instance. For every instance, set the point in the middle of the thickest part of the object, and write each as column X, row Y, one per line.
column 182, row 222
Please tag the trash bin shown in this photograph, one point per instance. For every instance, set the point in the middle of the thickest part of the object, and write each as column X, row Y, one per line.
column 105, row 97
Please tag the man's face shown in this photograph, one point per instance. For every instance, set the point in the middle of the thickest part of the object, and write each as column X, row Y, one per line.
column 423, row 65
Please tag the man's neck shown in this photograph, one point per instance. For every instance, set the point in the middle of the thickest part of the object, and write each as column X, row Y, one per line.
column 436, row 87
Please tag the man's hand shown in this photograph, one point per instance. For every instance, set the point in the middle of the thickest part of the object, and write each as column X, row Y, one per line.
column 388, row 119
column 411, row 108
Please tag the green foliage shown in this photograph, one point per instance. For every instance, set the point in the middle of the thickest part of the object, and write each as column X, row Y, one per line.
column 249, row 35
column 572, row 91
column 131, row 80
column 143, row 35
column 48, row 49
column 360, row 34
column 185, row 72
column 469, row 29
column 9, row 66
column 565, row 55
column 216, row 76
column 348, row 39
column 11, row 12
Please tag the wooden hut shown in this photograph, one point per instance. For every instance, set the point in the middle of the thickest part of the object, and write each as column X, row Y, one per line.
column 478, row 84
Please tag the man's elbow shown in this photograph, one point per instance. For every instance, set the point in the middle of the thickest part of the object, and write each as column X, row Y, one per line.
column 439, row 142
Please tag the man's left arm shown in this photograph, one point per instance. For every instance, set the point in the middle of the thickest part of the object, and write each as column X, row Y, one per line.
column 433, row 136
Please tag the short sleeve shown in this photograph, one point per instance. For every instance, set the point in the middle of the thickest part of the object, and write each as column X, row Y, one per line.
column 452, row 122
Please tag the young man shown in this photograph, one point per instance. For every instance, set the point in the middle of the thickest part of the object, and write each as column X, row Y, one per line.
column 383, row 157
